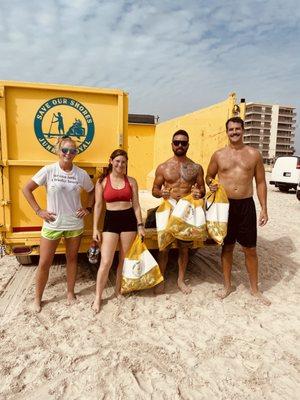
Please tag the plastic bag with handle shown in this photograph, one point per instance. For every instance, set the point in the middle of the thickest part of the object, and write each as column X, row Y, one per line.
column 216, row 212
column 187, row 221
column 140, row 269
column 162, row 215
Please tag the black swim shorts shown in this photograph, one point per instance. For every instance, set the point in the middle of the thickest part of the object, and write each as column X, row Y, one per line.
column 242, row 223
column 120, row 221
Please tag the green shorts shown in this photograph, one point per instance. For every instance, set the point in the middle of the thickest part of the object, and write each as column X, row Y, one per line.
column 54, row 235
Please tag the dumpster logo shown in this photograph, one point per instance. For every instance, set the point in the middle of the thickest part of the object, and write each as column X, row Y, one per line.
column 63, row 116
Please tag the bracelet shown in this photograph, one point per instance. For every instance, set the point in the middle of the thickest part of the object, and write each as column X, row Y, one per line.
column 90, row 209
column 140, row 224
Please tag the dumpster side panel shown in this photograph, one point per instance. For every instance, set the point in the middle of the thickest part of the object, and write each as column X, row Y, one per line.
column 140, row 151
column 22, row 216
column 32, row 119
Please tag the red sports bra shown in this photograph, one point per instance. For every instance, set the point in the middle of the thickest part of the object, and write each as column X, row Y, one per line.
column 111, row 195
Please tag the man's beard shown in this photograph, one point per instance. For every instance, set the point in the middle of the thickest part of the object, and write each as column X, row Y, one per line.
column 180, row 151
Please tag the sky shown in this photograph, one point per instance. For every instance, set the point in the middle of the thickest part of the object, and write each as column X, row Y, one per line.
column 172, row 57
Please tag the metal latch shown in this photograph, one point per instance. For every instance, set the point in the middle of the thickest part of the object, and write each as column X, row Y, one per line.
column 5, row 202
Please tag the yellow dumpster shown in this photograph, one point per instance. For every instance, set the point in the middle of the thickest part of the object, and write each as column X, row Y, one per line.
column 32, row 117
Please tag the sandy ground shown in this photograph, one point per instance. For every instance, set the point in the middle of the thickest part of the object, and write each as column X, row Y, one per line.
column 166, row 347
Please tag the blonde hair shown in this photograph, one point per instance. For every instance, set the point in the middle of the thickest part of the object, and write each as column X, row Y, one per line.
column 61, row 140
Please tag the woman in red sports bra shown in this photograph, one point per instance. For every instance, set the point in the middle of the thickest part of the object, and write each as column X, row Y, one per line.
column 122, row 221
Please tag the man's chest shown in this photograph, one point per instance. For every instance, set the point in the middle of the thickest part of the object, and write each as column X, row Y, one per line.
column 240, row 163
column 185, row 172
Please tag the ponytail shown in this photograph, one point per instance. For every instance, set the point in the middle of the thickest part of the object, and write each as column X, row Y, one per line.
column 106, row 171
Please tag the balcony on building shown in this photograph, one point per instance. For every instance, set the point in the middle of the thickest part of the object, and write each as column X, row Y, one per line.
column 285, row 111
column 282, row 136
column 281, row 142
column 258, row 123
column 286, row 120
column 258, row 108
column 285, row 128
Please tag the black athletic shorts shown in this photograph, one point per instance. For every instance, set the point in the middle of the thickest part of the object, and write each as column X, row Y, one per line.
column 120, row 221
column 242, row 223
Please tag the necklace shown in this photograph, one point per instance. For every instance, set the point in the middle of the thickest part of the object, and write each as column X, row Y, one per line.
column 118, row 185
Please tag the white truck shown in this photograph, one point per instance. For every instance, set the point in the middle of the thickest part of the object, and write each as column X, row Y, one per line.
column 286, row 173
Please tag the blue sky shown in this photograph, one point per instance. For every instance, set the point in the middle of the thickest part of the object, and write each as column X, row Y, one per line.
column 172, row 57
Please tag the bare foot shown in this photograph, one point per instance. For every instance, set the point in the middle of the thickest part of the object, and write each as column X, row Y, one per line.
column 183, row 287
column 261, row 299
column 223, row 293
column 96, row 306
column 71, row 298
column 37, row 307
column 160, row 288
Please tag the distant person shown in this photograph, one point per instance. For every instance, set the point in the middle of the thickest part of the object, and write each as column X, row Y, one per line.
column 123, row 219
column 236, row 165
column 60, row 121
column 64, row 214
column 176, row 178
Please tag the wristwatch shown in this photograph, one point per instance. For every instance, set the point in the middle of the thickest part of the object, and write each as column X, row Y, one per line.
column 90, row 209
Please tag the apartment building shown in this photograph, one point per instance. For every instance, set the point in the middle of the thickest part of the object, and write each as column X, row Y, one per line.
column 270, row 129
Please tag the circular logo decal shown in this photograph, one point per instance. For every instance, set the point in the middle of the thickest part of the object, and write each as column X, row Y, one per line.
column 63, row 116
column 137, row 268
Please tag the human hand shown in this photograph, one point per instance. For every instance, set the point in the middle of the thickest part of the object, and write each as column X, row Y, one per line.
column 165, row 192
column 47, row 216
column 141, row 232
column 213, row 187
column 195, row 192
column 263, row 218
column 97, row 236
column 82, row 212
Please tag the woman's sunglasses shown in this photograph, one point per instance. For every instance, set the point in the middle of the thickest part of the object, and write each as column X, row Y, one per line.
column 183, row 143
column 66, row 150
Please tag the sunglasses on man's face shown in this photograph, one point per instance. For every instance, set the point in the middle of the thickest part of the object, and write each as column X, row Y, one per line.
column 183, row 143
column 66, row 150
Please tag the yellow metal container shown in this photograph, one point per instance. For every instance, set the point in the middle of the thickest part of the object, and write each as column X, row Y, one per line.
column 32, row 117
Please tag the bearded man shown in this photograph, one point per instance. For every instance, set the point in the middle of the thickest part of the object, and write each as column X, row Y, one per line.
column 176, row 178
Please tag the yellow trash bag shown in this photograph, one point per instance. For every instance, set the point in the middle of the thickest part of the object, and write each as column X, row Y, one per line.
column 216, row 212
column 187, row 221
column 162, row 215
column 140, row 269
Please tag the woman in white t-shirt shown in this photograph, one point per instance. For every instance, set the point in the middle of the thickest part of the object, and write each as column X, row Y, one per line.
column 64, row 215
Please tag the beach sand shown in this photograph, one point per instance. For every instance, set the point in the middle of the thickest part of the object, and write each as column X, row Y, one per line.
column 170, row 346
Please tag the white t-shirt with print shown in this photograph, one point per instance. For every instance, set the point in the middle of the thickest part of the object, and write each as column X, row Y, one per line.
column 63, row 194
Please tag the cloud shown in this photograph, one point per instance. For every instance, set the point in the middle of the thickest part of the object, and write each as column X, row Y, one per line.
column 172, row 57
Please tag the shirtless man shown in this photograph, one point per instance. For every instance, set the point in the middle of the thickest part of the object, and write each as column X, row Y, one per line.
column 236, row 166
column 176, row 178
